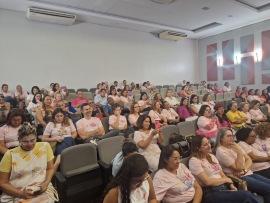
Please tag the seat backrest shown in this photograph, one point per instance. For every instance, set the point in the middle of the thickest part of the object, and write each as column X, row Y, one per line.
column 71, row 91
column 187, row 128
column 78, row 159
column 82, row 89
column 167, row 131
column 105, row 123
column 89, row 95
column 109, row 147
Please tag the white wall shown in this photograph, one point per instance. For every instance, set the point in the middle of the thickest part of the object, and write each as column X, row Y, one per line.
column 255, row 29
column 84, row 54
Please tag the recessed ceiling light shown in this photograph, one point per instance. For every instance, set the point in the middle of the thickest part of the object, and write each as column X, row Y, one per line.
column 205, row 8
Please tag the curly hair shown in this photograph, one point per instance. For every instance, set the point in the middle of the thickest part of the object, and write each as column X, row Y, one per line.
column 262, row 129
column 25, row 130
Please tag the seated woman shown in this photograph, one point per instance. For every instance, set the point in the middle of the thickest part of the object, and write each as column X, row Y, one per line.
column 128, row 149
column 227, row 87
column 244, row 107
column 183, row 110
column 134, row 114
column 223, row 121
column 34, row 90
column 57, row 89
column 60, row 133
column 158, row 97
column 237, row 92
column 35, row 103
column 173, row 182
column 117, row 122
column 173, row 101
column 4, row 110
column 156, row 116
column 256, row 113
column 251, row 95
column 237, row 118
column 57, row 98
column 125, row 100
column 207, row 100
column 261, row 160
column 146, row 139
column 206, row 123
column 169, row 114
column 9, row 132
column 113, row 94
column 44, row 114
column 262, row 142
column 194, row 104
column 185, row 92
column 216, row 185
column 144, row 102
column 30, row 180
column 20, row 94
column 138, row 187
column 235, row 162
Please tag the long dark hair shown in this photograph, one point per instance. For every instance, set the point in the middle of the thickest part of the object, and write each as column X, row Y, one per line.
column 165, row 154
column 133, row 166
column 196, row 145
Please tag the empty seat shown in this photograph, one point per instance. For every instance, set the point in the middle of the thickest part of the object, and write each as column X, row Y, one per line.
column 80, row 176
column 71, row 96
column 167, row 131
column 89, row 95
column 71, row 91
column 187, row 128
column 93, row 90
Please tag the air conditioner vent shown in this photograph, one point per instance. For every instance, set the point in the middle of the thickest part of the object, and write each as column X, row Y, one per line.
column 171, row 35
column 50, row 16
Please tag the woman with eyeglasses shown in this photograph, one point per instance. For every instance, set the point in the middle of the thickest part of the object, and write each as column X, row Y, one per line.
column 206, row 123
column 217, row 187
column 132, row 183
column 236, row 162
column 26, row 171
column 173, row 182
column 134, row 114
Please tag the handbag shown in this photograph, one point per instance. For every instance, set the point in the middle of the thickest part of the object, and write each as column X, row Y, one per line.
column 239, row 183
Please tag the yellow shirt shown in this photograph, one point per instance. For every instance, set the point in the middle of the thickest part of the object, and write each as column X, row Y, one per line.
column 6, row 162
column 236, row 117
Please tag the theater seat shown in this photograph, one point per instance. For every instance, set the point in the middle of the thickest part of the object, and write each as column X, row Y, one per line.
column 167, row 131
column 79, row 177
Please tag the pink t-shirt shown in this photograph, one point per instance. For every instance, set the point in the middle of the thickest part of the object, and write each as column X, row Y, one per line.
column 132, row 119
column 78, row 101
column 256, row 114
column 9, row 135
column 173, row 188
column 122, row 122
column 227, row 157
column 197, row 166
column 262, row 145
column 203, row 122
column 169, row 114
column 89, row 124
column 256, row 166
column 154, row 115
column 59, row 130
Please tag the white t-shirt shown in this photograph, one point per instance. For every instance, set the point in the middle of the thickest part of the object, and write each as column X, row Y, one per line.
column 169, row 114
column 262, row 145
column 256, row 166
column 227, row 157
column 122, row 121
column 59, row 130
column 89, row 124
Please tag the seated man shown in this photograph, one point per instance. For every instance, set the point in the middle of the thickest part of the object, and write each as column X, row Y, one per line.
column 89, row 127
column 101, row 101
column 79, row 100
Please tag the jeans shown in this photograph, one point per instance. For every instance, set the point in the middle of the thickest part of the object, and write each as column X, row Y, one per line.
column 264, row 173
column 60, row 146
column 258, row 184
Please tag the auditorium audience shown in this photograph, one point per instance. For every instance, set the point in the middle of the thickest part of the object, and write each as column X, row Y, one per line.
column 237, row 118
column 144, row 102
column 227, row 87
column 34, row 90
column 217, row 187
column 194, row 104
column 236, row 162
column 251, row 95
column 155, row 114
column 262, row 141
column 125, row 100
column 173, row 181
column 20, row 94
column 238, row 92
column 131, row 185
column 185, row 91
column 113, row 94
column 134, row 114
column 256, row 113
column 4, row 110
column 117, row 122
column 146, row 139
column 173, row 101
column 207, row 100
column 169, row 114
column 57, row 89
column 35, row 103
column 260, row 160
column 79, row 100
column 244, row 107
column 223, row 121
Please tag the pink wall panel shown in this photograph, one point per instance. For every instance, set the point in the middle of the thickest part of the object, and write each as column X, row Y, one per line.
column 211, row 49
column 247, row 70
column 212, row 71
column 266, row 78
column 228, row 73
column 247, row 44
column 228, row 52
column 266, row 50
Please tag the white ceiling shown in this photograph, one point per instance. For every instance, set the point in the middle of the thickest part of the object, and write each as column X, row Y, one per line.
column 147, row 16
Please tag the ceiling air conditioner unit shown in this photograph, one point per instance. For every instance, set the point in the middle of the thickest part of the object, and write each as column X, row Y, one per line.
column 171, row 35
column 50, row 16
